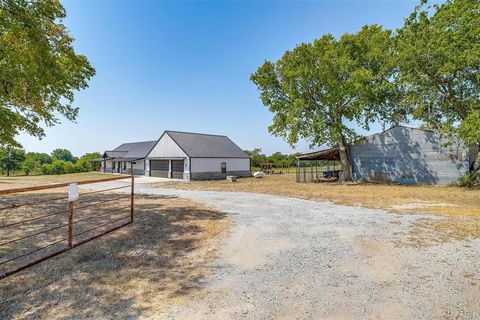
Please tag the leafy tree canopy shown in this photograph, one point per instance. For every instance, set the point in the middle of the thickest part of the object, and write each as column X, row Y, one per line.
column 256, row 156
column 85, row 161
column 62, row 154
column 39, row 69
column 439, row 66
column 317, row 88
column 42, row 158
column 11, row 159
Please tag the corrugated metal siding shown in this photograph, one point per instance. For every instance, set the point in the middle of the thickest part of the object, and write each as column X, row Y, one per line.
column 409, row 156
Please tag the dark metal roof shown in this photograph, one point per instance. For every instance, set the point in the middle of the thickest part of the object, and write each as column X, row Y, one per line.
column 129, row 151
column 328, row 154
column 113, row 154
column 136, row 150
column 200, row 145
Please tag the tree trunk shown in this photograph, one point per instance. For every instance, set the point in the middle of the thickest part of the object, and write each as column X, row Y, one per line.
column 345, row 160
column 476, row 164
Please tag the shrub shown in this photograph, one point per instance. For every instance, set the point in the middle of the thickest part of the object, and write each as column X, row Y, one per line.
column 68, row 167
column 58, row 167
column 47, row 168
column 469, row 180
column 31, row 165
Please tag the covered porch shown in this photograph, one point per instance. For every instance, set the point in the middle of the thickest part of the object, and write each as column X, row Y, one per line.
column 318, row 166
column 121, row 165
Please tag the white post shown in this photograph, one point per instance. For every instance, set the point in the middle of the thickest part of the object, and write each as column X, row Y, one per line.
column 170, row 168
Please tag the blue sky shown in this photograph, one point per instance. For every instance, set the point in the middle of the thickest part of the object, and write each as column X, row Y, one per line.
column 186, row 65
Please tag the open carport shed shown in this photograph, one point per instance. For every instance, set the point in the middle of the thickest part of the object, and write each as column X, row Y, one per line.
column 311, row 166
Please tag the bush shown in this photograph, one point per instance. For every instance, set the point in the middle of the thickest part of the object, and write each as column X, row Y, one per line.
column 47, row 168
column 68, row 167
column 58, row 167
column 469, row 180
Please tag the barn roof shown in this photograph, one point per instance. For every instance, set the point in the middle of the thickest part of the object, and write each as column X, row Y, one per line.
column 334, row 154
column 200, row 145
column 327, row 154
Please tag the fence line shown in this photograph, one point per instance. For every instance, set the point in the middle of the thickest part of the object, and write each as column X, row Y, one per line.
column 71, row 240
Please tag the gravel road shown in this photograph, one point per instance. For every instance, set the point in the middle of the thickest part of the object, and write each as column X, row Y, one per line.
column 296, row 259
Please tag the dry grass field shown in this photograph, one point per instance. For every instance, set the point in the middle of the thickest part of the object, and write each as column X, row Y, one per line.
column 139, row 270
column 28, row 181
column 459, row 207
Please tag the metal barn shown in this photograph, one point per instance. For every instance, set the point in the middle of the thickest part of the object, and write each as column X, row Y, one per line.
column 402, row 155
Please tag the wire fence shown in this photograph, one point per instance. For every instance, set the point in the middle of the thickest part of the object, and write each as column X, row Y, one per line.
column 41, row 222
column 316, row 171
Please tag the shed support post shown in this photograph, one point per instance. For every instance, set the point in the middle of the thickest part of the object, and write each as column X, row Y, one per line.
column 297, row 171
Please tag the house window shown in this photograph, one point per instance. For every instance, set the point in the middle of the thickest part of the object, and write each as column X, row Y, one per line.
column 113, row 165
column 224, row 167
column 124, row 166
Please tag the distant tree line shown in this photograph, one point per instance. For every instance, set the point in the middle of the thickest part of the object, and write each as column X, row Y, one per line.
column 15, row 161
column 278, row 159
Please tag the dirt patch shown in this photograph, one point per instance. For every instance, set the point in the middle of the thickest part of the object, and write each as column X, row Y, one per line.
column 430, row 199
column 139, row 270
column 429, row 232
column 317, row 260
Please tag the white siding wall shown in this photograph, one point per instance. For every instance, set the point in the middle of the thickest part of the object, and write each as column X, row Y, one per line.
column 214, row 164
column 108, row 167
column 138, row 164
column 166, row 148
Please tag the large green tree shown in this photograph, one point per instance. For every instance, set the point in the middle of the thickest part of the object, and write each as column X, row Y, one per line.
column 39, row 69
column 439, row 66
column 42, row 158
column 315, row 90
column 85, row 162
column 62, row 154
column 256, row 157
column 11, row 159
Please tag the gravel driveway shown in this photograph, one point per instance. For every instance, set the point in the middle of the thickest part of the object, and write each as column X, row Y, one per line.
column 296, row 259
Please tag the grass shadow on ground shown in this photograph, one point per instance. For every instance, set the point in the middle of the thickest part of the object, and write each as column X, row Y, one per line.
column 138, row 270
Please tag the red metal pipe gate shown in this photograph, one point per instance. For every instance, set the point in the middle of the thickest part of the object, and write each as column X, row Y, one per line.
column 12, row 261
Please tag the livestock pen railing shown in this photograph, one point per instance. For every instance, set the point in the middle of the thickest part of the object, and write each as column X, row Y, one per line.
column 316, row 171
column 38, row 223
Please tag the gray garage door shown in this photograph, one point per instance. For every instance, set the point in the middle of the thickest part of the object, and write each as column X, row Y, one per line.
column 159, row 168
column 177, row 169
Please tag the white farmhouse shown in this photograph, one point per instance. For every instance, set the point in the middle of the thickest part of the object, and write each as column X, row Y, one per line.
column 179, row 155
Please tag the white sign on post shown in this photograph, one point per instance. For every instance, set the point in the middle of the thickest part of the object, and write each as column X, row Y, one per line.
column 73, row 192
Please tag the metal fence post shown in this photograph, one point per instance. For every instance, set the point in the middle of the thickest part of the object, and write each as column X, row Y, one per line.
column 70, row 224
column 132, row 192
